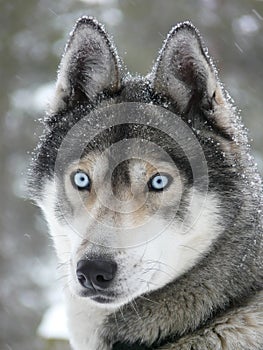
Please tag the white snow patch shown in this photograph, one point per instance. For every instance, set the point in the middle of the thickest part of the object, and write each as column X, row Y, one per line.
column 246, row 25
column 53, row 324
column 112, row 16
column 33, row 99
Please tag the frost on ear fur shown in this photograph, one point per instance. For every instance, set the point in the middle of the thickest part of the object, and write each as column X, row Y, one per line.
column 89, row 66
column 186, row 75
column 183, row 68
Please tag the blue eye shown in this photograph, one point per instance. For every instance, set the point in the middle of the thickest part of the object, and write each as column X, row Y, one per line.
column 81, row 180
column 159, row 182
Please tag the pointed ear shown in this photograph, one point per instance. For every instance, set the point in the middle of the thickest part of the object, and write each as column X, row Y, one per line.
column 183, row 71
column 185, row 74
column 89, row 66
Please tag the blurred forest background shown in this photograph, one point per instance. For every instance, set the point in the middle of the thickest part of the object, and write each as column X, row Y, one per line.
column 32, row 36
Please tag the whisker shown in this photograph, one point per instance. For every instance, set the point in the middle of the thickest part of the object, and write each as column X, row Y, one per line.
column 60, row 278
column 144, row 252
column 133, row 303
column 116, row 321
column 147, row 282
column 161, row 263
column 159, row 270
column 62, row 264
column 122, row 314
column 134, row 306
column 148, row 299
column 194, row 249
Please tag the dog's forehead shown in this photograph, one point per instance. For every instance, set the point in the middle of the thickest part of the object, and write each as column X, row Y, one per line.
column 95, row 161
column 125, row 152
column 126, row 167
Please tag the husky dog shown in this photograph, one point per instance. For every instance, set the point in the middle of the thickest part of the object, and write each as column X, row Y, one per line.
column 153, row 200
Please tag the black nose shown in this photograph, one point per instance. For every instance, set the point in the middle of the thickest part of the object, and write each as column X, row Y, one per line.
column 96, row 274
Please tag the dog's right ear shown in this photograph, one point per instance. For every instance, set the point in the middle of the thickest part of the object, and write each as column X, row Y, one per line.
column 89, row 66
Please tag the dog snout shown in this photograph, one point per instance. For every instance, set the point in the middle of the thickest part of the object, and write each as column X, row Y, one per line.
column 96, row 274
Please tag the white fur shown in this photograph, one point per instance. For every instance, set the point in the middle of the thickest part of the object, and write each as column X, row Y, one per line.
column 166, row 251
column 84, row 322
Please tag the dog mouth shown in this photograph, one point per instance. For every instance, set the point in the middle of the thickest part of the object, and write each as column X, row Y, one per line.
column 102, row 299
column 99, row 296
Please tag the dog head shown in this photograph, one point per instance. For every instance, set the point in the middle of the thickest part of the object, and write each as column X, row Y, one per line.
column 131, row 172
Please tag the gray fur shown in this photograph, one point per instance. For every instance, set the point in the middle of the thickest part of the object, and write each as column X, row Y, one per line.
column 88, row 67
column 218, row 303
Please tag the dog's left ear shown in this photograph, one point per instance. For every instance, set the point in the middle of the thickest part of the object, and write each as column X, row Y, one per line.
column 89, row 66
column 185, row 74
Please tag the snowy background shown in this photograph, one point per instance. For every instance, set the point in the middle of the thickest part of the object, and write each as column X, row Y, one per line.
column 32, row 37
